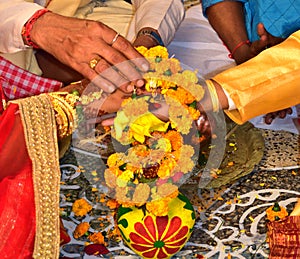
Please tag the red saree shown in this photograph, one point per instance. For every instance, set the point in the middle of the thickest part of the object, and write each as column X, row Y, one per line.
column 29, row 180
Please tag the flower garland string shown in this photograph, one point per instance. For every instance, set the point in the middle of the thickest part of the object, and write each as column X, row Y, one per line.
column 150, row 170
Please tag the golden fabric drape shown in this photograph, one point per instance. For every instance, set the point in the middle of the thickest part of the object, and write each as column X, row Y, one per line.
column 39, row 124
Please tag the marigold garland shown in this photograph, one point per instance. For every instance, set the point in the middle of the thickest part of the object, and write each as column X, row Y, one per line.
column 150, row 170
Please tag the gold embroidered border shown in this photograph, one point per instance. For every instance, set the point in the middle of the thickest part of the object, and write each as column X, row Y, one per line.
column 39, row 124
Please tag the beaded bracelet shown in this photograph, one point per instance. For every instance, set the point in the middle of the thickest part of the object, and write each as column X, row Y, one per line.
column 230, row 55
column 28, row 27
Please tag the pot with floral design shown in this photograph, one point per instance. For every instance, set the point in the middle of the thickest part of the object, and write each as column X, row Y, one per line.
column 152, row 236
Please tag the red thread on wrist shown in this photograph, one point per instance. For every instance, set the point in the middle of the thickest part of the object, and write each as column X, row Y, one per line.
column 230, row 55
column 28, row 27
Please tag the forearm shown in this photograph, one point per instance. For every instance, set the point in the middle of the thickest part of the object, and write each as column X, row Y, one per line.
column 13, row 16
column 227, row 19
column 162, row 16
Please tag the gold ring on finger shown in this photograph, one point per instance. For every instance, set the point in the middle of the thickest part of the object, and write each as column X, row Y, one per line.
column 93, row 62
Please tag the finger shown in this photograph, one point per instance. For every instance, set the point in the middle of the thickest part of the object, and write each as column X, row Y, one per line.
column 125, row 47
column 261, row 31
column 108, row 122
column 270, row 117
column 282, row 114
column 289, row 110
column 114, row 76
column 120, row 51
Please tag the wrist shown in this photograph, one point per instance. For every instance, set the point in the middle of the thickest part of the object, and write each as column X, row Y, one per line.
column 151, row 34
column 239, row 47
column 29, row 27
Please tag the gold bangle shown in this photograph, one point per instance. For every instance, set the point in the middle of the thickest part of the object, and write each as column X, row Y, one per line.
column 65, row 114
column 213, row 95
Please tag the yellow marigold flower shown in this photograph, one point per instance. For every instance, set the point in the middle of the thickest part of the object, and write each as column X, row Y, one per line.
column 141, row 49
column 190, row 76
column 157, row 51
column 184, row 165
column 197, row 91
column 167, row 190
column 121, row 196
column 179, row 116
column 141, row 194
column 164, row 144
column 81, row 207
column 174, row 65
column 126, row 175
column 110, row 178
column 135, row 107
column 115, row 159
column 158, row 207
column 166, row 168
column 81, row 229
column 96, row 238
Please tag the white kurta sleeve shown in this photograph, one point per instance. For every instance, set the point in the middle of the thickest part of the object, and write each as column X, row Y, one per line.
column 162, row 15
column 13, row 15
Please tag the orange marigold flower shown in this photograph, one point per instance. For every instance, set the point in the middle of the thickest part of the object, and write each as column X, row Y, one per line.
column 175, row 138
column 112, row 204
column 96, row 238
column 81, row 207
column 81, row 229
column 276, row 212
column 158, row 207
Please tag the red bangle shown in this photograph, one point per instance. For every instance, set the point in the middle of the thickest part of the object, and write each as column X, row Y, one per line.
column 28, row 27
column 230, row 55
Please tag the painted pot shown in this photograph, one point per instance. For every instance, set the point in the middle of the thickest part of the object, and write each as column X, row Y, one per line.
column 153, row 236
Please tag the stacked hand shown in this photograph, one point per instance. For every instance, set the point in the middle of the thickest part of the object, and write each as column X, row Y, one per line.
column 91, row 48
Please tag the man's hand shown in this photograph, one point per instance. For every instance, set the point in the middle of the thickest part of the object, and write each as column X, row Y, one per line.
column 91, row 48
column 266, row 40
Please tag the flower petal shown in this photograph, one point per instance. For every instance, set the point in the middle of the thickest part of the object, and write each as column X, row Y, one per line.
column 135, row 238
column 182, row 233
column 162, row 254
column 161, row 223
column 151, row 253
column 150, row 226
column 140, row 229
column 175, row 224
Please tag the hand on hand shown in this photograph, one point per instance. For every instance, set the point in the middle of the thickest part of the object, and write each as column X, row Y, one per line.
column 266, row 40
column 91, row 48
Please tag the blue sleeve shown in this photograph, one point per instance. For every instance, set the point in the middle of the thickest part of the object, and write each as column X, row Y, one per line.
column 208, row 3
